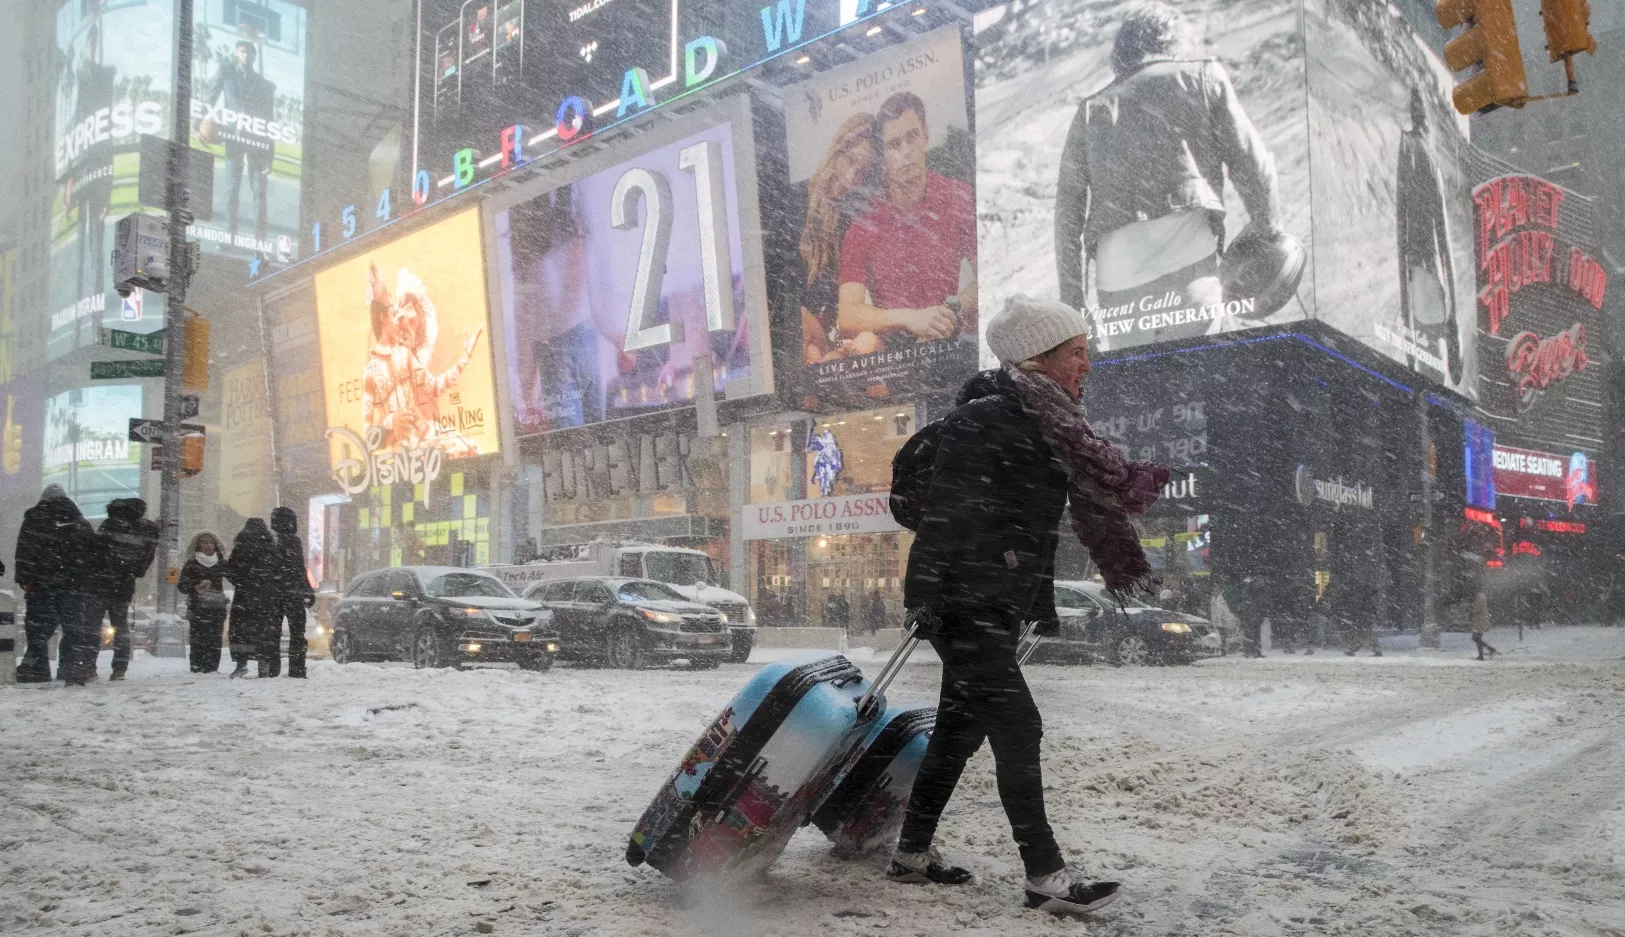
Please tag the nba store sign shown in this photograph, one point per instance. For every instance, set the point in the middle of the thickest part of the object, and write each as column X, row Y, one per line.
column 816, row 517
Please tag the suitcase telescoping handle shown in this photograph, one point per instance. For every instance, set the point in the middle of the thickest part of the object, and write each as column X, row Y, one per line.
column 905, row 647
column 888, row 673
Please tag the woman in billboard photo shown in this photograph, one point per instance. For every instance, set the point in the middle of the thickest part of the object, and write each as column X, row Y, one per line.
column 399, row 392
column 836, row 192
column 1427, row 278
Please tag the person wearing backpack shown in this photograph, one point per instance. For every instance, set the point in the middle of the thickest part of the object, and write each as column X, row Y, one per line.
column 126, row 545
column 985, row 489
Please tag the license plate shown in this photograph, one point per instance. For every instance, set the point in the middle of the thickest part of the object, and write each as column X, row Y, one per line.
column 522, row 636
column 706, row 639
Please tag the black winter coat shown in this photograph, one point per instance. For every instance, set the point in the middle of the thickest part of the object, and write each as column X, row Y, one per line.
column 193, row 573
column 56, row 546
column 291, row 565
column 126, row 542
column 991, row 519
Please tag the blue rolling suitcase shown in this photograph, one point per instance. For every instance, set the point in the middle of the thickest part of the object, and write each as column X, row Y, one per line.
column 752, row 779
column 864, row 810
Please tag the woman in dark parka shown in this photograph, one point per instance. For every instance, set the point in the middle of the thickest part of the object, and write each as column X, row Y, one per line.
column 256, row 607
column 203, row 583
column 1009, row 459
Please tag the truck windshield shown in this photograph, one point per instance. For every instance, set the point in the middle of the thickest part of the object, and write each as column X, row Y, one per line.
column 680, row 569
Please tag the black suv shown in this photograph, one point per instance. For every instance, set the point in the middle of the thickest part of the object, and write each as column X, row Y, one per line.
column 1096, row 627
column 632, row 622
column 440, row 616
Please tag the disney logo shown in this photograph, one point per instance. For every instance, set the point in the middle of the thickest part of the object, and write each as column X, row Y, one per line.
column 355, row 475
column 1537, row 362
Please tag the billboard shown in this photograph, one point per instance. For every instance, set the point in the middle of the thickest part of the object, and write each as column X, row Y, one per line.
column 113, row 86
column 1540, row 289
column 1546, row 476
column 87, row 447
column 299, row 402
column 1123, row 153
column 244, row 440
column 406, row 364
column 883, row 295
column 1393, row 255
column 622, row 289
column 248, row 102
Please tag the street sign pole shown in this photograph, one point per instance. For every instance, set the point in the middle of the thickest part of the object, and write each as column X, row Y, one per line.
column 168, row 625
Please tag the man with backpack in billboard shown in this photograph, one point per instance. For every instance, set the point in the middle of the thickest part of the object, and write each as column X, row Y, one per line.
column 985, row 489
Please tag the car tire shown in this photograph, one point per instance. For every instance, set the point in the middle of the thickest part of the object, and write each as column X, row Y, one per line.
column 623, row 650
column 342, row 648
column 536, row 662
column 1130, row 650
column 428, row 649
column 736, row 655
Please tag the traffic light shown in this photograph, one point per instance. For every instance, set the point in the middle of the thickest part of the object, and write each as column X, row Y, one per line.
column 195, row 353
column 1491, row 42
column 1567, row 31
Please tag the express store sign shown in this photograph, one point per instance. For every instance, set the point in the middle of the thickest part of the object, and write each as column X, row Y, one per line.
column 1547, row 476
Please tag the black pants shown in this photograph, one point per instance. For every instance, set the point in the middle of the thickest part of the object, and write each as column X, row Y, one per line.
column 118, row 614
column 295, row 613
column 203, row 640
column 984, row 697
column 46, row 611
column 1483, row 645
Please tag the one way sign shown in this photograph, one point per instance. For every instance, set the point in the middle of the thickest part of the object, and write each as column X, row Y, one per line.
column 152, row 431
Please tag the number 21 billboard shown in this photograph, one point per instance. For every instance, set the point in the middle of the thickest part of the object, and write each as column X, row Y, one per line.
column 622, row 288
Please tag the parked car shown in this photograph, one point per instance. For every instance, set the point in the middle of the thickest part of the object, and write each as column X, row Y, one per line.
column 440, row 616
column 632, row 622
column 1094, row 628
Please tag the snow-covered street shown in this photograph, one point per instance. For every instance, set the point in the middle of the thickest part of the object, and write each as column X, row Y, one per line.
column 1422, row 793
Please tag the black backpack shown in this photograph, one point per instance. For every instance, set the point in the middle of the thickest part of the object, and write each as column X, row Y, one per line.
column 911, row 474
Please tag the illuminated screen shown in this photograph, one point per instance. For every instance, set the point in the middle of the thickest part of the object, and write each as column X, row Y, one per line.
column 405, row 354
column 113, row 86
column 87, row 445
column 614, row 286
column 248, row 111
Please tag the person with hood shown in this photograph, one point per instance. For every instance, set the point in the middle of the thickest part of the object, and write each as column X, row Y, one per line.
column 126, row 544
column 256, row 605
column 203, row 583
column 1010, row 457
column 296, row 593
column 55, row 548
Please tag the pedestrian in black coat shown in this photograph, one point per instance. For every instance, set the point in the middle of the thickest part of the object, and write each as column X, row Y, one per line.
column 297, row 594
column 256, row 606
column 126, row 544
column 56, row 546
column 203, row 583
column 1007, row 462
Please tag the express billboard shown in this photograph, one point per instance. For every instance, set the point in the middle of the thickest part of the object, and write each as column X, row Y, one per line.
column 248, row 101
column 406, row 364
column 87, row 449
column 883, row 296
column 622, row 289
column 113, row 86
column 1137, row 161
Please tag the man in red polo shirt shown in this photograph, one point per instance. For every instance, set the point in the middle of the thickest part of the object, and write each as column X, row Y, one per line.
column 908, row 264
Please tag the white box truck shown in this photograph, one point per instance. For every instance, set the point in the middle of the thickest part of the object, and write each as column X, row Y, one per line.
column 690, row 572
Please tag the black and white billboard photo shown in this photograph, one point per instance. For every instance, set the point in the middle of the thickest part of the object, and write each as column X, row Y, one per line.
column 1146, row 162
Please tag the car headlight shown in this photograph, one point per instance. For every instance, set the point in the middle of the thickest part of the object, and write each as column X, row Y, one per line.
column 750, row 615
column 665, row 618
column 1176, row 627
column 552, row 648
column 469, row 612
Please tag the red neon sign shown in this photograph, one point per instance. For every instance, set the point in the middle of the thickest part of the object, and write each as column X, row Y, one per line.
column 1561, row 527
column 1525, row 548
column 1482, row 516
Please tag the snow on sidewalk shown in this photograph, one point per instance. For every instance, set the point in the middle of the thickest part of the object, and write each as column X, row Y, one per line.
column 1418, row 793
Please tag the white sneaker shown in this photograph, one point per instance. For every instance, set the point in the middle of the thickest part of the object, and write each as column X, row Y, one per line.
column 918, row 868
column 1069, row 892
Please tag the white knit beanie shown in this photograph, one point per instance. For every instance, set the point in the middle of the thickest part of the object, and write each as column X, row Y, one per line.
column 1029, row 326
